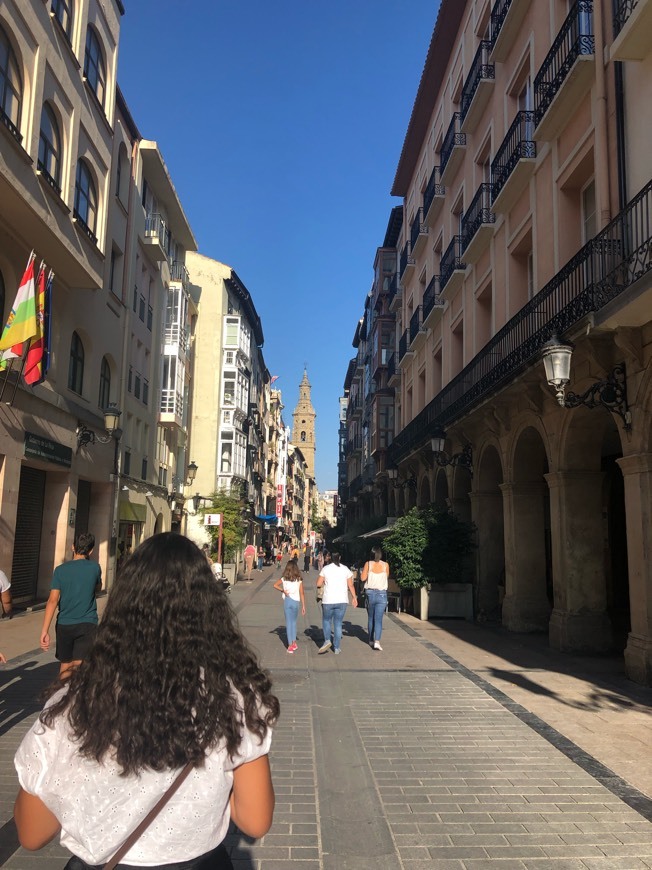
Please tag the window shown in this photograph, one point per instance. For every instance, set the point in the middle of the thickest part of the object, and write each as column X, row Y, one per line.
column 76, row 365
column 11, row 88
column 85, row 200
column 105, row 385
column 94, row 68
column 143, row 468
column 49, row 148
column 62, row 12
column 130, row 379
column 119, row 171
column 589, row 221
column 115, row 273
column 126, row 464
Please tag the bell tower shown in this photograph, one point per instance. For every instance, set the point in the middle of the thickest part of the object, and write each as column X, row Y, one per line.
column 303, row 425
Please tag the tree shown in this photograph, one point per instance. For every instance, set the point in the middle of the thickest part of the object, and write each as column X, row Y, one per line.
column 316, row 522
column 405, row 547
column 233, row 524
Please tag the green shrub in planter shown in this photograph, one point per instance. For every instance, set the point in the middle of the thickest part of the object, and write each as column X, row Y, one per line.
column 451, row 542
column 405, row 547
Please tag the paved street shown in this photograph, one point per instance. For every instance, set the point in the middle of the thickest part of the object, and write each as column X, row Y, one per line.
column 439, row 752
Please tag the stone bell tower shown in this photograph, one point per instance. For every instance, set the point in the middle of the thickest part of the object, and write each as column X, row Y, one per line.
column 303, row 425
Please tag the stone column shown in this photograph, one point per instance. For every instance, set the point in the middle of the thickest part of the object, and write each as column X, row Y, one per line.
column 526, row 606
column 579, row 621
column 487, row 514
column 637, row 473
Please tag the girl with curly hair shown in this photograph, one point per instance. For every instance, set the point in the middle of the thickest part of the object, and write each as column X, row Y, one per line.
column 169, row 680
column 291, row 585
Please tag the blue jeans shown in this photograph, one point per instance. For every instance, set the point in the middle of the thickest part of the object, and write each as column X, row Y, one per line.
column 260, row 563
column 291, row 608
column 332, row 618
column 376, row 606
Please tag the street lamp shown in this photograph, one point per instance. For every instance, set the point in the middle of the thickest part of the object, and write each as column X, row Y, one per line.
column 409, row 482
column 111, row 424
column 610, row 392
column 463, row 459
column 191, row 473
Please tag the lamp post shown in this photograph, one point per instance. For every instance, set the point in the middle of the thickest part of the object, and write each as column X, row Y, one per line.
column 463, row 459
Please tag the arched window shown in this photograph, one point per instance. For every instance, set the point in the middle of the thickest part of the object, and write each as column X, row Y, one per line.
column 11, row 87
column 303, row 436
column 62, row 12
column 85, row 199
column 94, row 66
column 105, row 385
column 49, row 148
column 76, row 365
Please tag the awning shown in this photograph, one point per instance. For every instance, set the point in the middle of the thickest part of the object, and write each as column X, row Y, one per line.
column 382, row 531
column 132, row 513
column 343, row 539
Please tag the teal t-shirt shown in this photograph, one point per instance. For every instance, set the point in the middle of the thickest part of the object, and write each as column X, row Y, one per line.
column 76, row 581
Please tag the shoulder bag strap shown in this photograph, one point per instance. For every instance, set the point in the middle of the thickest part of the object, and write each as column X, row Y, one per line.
column 149, row 818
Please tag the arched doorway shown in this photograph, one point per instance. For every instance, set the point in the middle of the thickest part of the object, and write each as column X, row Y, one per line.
column 424, row 492
column 487, row 514
column 441, row 489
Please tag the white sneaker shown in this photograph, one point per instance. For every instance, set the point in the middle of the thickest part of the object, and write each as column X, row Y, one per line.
column 377, row 645
column 324, row 648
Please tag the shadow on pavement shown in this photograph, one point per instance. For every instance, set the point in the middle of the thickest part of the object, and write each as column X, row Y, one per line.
column 22, row 688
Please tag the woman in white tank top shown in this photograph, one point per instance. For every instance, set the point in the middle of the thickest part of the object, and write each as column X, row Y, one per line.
column 375, row 574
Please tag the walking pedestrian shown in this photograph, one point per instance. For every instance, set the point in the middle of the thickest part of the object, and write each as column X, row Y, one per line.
column 337, row 581
column 261, row 557
column 376, row 576
column 291, row 585
column 73, row 589
column 170, row 686
column 306, row 557
column 249, row 556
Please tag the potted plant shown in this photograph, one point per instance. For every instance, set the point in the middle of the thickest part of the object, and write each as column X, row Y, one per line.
column 405, row 547
column 447, row 563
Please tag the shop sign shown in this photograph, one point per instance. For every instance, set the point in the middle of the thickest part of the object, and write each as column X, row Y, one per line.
column 212, row 519
column 37, row 447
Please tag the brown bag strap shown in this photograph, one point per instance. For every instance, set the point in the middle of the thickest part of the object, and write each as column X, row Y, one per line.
column 149, row 818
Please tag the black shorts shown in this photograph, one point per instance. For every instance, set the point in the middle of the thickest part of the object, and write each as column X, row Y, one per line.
column 74, row 642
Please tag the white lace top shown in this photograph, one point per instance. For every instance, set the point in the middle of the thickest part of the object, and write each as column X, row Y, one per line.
column 98, row 808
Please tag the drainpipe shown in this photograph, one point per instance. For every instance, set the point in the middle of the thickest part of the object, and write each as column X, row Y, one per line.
column 601, row 135
column 621, row 142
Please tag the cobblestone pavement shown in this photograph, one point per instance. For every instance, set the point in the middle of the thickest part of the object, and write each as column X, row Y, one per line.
column 404, row 759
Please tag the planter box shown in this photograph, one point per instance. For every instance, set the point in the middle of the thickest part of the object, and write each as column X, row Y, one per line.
column 229, row 572
column 451, row 600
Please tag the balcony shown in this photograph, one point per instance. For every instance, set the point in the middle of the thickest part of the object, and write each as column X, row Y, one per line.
column 393, row 372
column 418, row 234
column 632, row 29
column 433, row 197
column 452, row 268
column 506, row 20
column 452, row 150
column 171, row 409
column 566, row 74
column 477, row 224
column 179, row 273
column 417, row 330
column 618, row 259
column 156, row 237
column 514, row 163
column 406, row 262
column 395, row 294
column 404, row 347
column 433, row 304
column 354, row 445
column 477, row 88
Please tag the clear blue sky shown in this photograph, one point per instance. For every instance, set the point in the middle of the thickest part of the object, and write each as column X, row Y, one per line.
column 282, row 124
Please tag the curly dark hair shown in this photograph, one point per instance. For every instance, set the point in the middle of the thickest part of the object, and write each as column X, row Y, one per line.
column 157, row 687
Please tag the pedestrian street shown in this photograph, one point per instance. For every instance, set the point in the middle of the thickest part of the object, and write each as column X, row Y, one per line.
column 397, row 760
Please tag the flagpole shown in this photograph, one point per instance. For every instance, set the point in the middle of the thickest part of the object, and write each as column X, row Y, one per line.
column 7, row 373
column 18, row 377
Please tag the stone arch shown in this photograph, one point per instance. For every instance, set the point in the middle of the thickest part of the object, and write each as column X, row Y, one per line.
column 528, row 561
column 487, row 513
column 441, row 498
column 423, row 499
column 461, row 504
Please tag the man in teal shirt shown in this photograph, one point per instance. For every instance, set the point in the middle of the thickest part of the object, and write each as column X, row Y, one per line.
column 73, row 590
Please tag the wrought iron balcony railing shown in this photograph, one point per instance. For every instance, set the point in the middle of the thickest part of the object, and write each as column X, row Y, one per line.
column 498, row 15
column 452, row 138
column 178, row 272
column 431, row 297
column 417, row 228
column 405, row 259
column 81, row 223
column 391, row 367
column 9, row 124
column 392, row 288
column 403, row 345
column 477, row 214
column 54, row 184
column 517, row 144
column 415, row 323
column 600, row 271
column 481, row 69
column 451, row 260
column 433, row 188
column 155, row 227
column 621, row 11
column 574, row 39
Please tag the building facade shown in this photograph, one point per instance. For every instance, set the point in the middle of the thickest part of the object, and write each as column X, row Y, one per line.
column 525, row 183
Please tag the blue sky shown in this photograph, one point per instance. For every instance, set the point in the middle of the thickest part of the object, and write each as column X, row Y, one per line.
column 281, row 125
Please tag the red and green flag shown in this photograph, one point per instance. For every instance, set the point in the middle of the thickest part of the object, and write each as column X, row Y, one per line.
column 37, row 361
column 22, row 323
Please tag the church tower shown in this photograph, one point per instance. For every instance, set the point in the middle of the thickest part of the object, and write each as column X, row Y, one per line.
column 303, row 425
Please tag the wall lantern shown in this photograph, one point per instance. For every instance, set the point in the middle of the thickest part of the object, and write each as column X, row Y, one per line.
column 409, row 482
column 191, row 473
column 609, row 393
column 111, row 424
column 463, row 459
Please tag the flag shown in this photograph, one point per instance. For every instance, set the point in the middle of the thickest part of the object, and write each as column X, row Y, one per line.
column 275, row 378
column 21, row 324
column 38, row 355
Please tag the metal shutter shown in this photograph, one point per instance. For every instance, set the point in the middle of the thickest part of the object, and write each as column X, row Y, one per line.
column 27, row 543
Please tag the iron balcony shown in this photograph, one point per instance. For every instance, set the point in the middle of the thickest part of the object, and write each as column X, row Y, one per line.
column 432, row 301
column 451, row 263
column 477, row 223
column 513, row 165
column 452, row 150
column 433, row 196
column 477, row 87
